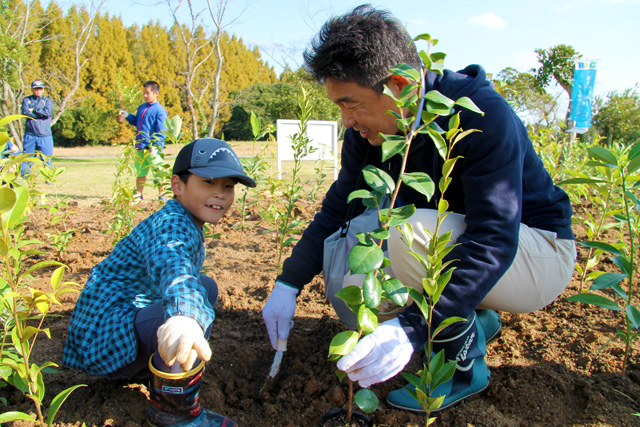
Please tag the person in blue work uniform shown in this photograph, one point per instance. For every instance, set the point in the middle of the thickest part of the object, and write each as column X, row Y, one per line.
column 37, row 132
column 147, row 303
column 515, row 249
column 149, row 121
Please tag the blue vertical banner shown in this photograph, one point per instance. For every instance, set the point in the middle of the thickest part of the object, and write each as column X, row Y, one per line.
column 584, row 78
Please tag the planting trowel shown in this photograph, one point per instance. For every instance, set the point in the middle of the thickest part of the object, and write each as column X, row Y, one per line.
column 281, row 347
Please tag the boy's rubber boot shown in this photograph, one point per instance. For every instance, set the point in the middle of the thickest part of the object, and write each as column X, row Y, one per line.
column 174, row 400
column 471, row 377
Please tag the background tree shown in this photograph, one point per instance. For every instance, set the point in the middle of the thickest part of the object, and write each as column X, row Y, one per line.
column 557, row 64
column 618, row 117
column 537, row 107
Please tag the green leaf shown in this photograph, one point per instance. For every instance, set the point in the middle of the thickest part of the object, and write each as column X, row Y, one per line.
column 438, row 98
column 467, row 103
column 420, row 300
column 633, row 165
column 378, row 179
column 395, row 291
column 14, row 216
column 371, row 290
column 380, row 234
column 15, row 416
column 366, row 400
column 256, row 126
column 7, row 199
column 604, row 246
column 367, row 319
column 421, row 182
column 407, row 71
column 393, row 144
column 363, row 259
column 439, row 142
column 604, row 155
column 633, row 315
column 623, row 264
column 343, row 343
column 447, row 322
column 359, row 194
column 352, row 295
column 607, row 280
column 443, row 374
column 58, row 401
column 582, row 181
column 594, row 299
column 399, row 216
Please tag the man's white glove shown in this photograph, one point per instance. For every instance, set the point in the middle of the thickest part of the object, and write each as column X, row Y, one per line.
column 278, row 312
column 379, row 355
column 123, row 113
column 180, row 339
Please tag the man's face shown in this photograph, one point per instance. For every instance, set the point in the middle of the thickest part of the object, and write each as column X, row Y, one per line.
column 363, row 109
column 149, row 95
column 38, row 91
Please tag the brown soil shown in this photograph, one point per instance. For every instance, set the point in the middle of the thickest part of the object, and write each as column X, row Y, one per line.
column 548, row 368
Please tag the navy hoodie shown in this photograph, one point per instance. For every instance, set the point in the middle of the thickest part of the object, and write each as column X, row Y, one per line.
column 498, row 183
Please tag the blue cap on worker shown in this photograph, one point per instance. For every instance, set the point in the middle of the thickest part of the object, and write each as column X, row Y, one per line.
column 37, row 84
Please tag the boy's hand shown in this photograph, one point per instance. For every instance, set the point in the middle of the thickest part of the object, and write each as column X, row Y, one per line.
column 278, row 312
column 180, row 339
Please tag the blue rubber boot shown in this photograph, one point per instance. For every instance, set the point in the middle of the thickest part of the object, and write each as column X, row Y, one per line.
column 489, row 321
column 471, row 377
column 173, row 401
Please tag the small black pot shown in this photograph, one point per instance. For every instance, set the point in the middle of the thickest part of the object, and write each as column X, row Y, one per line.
column 338, row 416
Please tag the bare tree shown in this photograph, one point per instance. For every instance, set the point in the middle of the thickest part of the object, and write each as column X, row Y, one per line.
column 21, row 29
column 217, row 18
column 24, row 30
column 198, row 49
column 82, row 36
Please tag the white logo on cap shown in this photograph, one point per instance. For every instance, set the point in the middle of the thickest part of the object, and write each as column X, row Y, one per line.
column 229, row 152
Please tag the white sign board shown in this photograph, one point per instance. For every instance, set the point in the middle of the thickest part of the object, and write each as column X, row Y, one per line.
column 323, row 136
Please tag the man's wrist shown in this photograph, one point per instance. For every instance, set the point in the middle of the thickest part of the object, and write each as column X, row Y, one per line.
column 287, row 287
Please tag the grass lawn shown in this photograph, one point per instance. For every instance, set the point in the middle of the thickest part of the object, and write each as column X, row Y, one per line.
column 89, row 172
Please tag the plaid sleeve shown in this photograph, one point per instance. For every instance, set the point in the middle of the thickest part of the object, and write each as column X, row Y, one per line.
column 174, row 262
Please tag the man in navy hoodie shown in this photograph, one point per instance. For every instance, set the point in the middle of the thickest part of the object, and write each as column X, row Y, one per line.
column 515, row 249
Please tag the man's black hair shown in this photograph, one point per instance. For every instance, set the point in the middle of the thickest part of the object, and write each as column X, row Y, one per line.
column 361, row 46
column 153, row 85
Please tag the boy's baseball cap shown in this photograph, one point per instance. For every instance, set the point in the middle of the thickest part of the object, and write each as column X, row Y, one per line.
column 211, row 158
column 37, row 84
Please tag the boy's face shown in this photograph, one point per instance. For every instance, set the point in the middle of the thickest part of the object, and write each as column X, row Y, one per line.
column 149, row 95
column 206, row 199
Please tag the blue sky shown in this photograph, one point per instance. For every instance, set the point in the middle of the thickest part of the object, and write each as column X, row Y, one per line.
column 493, row 33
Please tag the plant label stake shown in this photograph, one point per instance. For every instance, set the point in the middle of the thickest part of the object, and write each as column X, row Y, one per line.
column 275, row 366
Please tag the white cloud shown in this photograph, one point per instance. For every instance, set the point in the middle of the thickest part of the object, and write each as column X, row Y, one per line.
column 489, row 19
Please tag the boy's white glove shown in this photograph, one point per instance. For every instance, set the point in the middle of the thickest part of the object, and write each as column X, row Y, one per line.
column 123, row 113
column 278, row 312
column 180, row 339
column 379, row 355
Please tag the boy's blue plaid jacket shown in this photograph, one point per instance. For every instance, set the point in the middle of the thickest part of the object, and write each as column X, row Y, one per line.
column 159, row 261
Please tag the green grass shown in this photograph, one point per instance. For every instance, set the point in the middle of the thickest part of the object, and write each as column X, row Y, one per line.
column 88, row 180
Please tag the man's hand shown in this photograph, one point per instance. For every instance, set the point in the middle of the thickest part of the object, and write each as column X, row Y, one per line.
column 278, row 312
column 123, row 113
column 180, row 339
column 379, row 355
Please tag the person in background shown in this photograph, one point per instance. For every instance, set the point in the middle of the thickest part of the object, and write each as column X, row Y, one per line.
column 37, row 132
column 149, row 121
